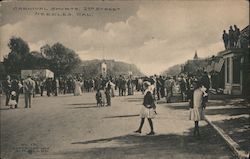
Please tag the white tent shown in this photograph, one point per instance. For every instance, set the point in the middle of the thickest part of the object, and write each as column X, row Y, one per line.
column 39, row 73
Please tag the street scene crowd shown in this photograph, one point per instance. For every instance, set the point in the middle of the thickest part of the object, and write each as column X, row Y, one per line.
column 154, row 88
column 192, row 85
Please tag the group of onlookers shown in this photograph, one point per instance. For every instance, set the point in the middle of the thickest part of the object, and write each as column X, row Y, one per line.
column 12, row 89
column 193, row 89
column 231, row 38
column 174, row 85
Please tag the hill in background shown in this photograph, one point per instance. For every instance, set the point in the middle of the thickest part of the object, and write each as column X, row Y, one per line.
column 92, row 68
column 172, row 71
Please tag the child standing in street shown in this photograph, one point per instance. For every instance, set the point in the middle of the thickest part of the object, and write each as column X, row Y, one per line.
column 12, row 102
column 196, row 108
column 147, row 109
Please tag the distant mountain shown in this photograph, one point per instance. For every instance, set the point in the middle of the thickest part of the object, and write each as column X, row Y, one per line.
column 172, row 71
column 92, row 68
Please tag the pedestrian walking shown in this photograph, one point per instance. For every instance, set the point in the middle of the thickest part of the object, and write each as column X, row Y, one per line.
column 119, row 84
column 183, row 88
column 42, row 84
column 169, row 84
column 148, row 109
column 108, row 93
column 28, row 88
column 123, row 86
column 103, row 96
column 77, row 86
column 7, row 89
column 162, row 88
column 55, row 86
column 158, row 87
column 1, row 93
column 130, row 86
column 140, row 86
column 196, row 109
column 49, row 86
column 205, row 81
column 98, row 97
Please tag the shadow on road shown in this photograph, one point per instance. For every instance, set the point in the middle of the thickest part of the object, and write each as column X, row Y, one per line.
column 228, row 111
column 85, row 107
column 210, row 145
column 179, row 105
column 4, row 109
column 133, row 100
column 122, row 116
column 185, row 107
column 82, row 104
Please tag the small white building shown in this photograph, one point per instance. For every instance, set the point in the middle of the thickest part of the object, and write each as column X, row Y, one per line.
column 38, row 73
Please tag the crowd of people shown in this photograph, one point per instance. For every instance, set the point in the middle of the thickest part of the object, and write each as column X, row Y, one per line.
column 231, row 39
column 191, row 88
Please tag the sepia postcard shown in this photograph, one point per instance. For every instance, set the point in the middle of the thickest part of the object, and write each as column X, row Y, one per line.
column 124, row 79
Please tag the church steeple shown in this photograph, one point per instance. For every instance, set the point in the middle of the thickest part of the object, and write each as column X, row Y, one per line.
column 195, row 55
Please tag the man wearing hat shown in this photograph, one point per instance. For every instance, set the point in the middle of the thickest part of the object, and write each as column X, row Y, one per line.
column 7, row 89
column 28, row 88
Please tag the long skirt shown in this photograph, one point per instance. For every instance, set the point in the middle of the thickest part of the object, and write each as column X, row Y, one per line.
column 196, row 114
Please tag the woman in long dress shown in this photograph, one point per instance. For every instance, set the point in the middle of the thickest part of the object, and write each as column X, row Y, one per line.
column 196, row 108
column 78, row 90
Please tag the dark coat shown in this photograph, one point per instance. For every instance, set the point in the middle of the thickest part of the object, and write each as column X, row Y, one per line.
column 148, row 100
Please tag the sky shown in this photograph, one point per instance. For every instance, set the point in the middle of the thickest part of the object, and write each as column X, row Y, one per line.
column 154, row 35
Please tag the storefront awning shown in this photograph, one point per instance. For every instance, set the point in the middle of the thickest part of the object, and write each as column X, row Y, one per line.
column 218, row 65
column 215, row 66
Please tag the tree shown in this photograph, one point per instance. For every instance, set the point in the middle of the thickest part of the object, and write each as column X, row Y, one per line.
column 37, row 60
column 58, row 58
column 173, row 71
column 17, row 59
column 2, row 71
column 61, row 60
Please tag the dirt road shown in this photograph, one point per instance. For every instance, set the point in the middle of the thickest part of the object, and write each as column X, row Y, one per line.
column 70, row 127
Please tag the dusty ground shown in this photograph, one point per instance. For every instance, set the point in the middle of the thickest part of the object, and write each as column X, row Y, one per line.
column 70, row 127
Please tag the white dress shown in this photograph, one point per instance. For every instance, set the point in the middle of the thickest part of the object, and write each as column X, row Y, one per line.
column 197, row 112
column 78, row 90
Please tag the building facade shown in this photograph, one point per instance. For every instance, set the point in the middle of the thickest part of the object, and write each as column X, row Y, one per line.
column 237, row 66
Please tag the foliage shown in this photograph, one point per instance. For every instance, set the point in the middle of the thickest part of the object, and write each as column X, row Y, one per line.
column 61, row 60
column 18, row 58
column 2, row 71
column 58, row 58
column 92, row 68
column 172, row 71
